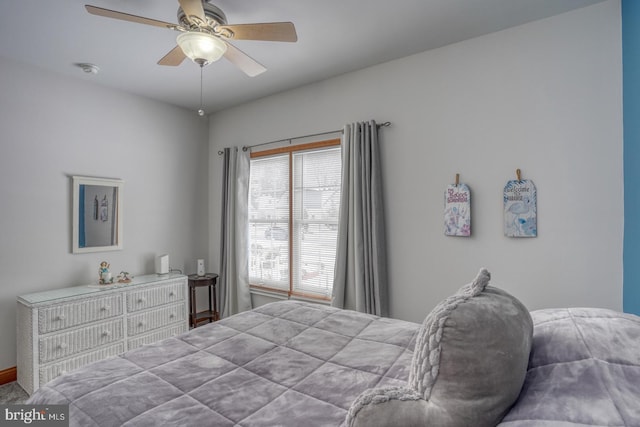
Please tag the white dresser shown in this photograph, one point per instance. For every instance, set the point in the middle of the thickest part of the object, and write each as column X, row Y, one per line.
column 64, row 329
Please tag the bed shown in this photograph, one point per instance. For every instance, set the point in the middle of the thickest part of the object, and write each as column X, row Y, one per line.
column 285, row 363
column 583, row 370
column 296, row 363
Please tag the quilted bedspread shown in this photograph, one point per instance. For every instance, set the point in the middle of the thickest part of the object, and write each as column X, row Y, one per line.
column 584, row 370
column 300, row 364
column 282, row 364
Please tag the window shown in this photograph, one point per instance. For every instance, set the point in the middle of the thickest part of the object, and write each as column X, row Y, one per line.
column 294, row 201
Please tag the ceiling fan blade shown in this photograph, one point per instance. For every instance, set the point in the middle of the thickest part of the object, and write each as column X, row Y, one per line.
column 268, row 31
column 193, row 8
column 173, row 58
column 94, row 10
column 248, row 65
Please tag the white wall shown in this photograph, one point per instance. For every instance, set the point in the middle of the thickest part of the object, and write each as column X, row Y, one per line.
column 544, row 97
column 52, row 127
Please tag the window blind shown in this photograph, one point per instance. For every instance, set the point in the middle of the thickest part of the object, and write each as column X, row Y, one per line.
column 316, row 204
column 293, row 219
column 269, row 222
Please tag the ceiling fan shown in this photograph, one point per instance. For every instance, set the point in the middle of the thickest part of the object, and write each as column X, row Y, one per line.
column 204, row 34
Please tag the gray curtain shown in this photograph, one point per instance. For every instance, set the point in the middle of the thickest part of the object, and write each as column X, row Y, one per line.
column 360, row 281
column 234, row 267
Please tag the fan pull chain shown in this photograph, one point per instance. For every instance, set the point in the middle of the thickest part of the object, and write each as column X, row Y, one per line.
column 201, row 110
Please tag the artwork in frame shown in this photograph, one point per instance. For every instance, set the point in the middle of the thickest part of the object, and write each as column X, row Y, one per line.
column 104, row 209
column 96, row 214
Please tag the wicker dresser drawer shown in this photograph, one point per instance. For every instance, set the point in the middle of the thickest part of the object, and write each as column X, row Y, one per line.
column 158, row 335
column 62, row 316
column 51, row 371
column 157, row 318
column 157, row 296
column 61, row 345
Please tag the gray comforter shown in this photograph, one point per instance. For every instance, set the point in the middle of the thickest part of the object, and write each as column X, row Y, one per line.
column 282, row 364
column 584, row 370
column 299, row 364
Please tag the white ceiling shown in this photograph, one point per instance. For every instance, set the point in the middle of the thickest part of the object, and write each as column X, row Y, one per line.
column 334, row 37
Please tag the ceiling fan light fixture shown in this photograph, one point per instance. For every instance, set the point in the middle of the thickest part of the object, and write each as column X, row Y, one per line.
column 201, row 48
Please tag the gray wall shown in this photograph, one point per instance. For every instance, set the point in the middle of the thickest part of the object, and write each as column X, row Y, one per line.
column 544, row 97
column 52, row 127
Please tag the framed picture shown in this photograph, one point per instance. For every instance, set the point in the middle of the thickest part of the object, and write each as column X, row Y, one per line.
column 97, row 214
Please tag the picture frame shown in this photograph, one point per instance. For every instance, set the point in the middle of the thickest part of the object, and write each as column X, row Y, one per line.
column 97, row 227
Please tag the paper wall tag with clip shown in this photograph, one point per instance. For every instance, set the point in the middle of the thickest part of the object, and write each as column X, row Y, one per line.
column 520, row 208
column 457, row 209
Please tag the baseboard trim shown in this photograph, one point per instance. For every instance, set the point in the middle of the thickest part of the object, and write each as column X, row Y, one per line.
column 8, row 375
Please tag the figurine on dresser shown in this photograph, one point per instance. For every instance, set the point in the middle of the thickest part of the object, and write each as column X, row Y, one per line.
column 124, row 277
column 104, row 274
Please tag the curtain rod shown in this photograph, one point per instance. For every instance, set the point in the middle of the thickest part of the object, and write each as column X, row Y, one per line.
column 248, row 147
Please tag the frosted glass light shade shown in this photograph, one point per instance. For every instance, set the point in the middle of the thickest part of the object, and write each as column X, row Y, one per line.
column 201, row 48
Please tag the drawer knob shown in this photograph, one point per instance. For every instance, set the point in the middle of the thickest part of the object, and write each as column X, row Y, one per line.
column 172, row 294
column 60, row 317
column 172, row 315
column 105, row 308
column 106, row 333
column 141, row 323
column 141, row 300
column 62, row 345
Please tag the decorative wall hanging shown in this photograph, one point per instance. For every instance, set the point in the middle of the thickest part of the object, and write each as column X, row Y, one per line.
column 520, row 208
column 96, row 214
column 95, row 208
column 104, row 209
column 457, row 209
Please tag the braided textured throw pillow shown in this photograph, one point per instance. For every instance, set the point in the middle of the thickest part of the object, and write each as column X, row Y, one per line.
column 468, row 366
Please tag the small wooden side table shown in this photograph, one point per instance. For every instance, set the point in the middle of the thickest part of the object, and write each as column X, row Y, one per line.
column 211, row 315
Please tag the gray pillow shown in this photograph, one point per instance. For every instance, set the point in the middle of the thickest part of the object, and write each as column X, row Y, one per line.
column 468, row 367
